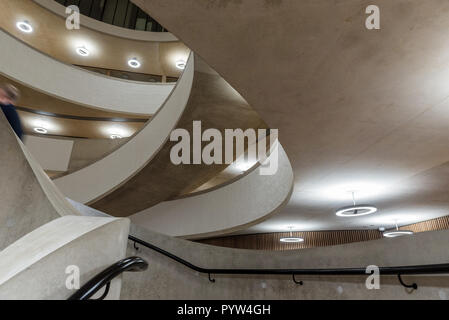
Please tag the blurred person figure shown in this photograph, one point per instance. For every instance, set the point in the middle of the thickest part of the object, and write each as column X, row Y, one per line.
column 8, row 97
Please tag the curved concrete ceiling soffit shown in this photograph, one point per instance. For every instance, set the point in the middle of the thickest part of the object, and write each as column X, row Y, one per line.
column 104, row 176
column 42, row 73
column 352, row 113
column 226, row 209
column 217, row 105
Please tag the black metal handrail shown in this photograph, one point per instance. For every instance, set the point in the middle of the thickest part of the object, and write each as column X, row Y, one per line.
column 398, row 271
column 105, row 277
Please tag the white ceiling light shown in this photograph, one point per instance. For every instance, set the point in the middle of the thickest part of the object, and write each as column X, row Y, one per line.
column 24, row 26
column 40, row 130
column 43, row 126
column 134, row 63
column 397, row 233
column 355, row 210
column 291, row 238
column 181, row 64
column 116, row 131
column 242, row 166
column 82, row 51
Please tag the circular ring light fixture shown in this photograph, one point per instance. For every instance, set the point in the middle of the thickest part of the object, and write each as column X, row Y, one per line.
column 134, row 63
column 116, row 136
column 40, row 130
column 397, row 233
column 291, row 238
column 181, row 64
column 356, row 210
column 24, row 26
column 82, row 51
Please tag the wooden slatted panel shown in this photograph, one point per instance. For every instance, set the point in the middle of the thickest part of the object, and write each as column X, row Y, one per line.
column 271, row 241
column 429, row 225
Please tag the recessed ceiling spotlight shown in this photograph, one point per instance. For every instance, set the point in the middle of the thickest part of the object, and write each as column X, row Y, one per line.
column 291, row 238
column 82, row 51
column 181, row 64
column 355, row 210
column 115, row 136
column 24, row 26
column 134, row 63
column 40, row 130
column 397, row 233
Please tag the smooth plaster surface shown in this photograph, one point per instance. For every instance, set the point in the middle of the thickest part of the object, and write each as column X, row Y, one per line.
column 356, row 109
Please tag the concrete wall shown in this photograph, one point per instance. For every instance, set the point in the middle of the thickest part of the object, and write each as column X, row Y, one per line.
column 28, row 198
column 166, row 279
column 52, row 154
column 34, row 267
column 68, row 155
column 87, row 151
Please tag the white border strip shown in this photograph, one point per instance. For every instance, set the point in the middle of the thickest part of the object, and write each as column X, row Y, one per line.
column 66, row 82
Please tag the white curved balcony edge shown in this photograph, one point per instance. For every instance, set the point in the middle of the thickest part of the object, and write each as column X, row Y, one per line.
column 104, row 176
column 108, row 28
column 238, row 205
column 34, row 266
column 66, row 82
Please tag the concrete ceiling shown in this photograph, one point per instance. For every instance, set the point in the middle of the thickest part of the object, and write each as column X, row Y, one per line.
column 357, row 110
column 51, row 37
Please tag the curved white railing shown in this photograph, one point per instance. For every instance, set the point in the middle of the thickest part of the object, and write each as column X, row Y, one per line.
column 40, row 72
column 96, row 180
column 109, row 29
column 244, row 202
column 34, row 266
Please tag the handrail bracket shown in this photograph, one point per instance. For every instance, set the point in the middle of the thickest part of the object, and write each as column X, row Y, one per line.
column 413, row 286
column 295, row 281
